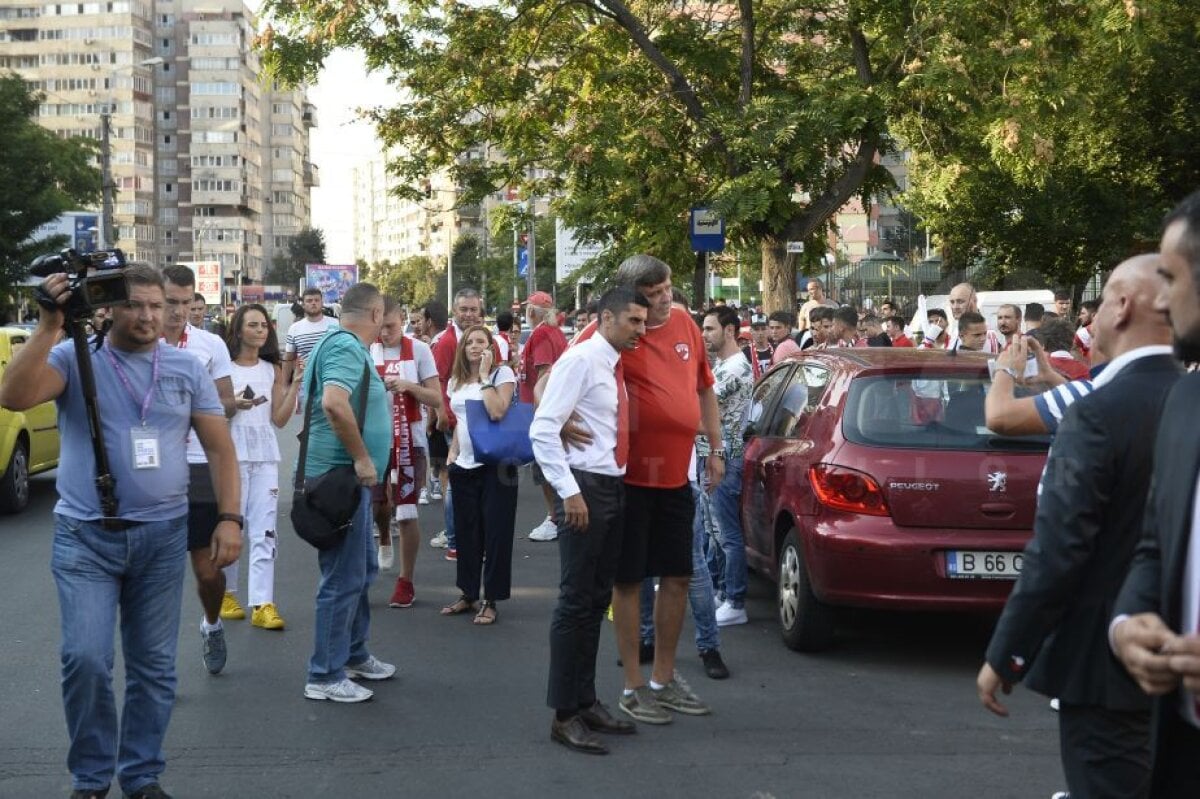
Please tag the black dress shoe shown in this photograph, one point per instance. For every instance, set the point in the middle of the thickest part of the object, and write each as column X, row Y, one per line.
column 574, row 734
column 151, row 791
column 714, row 666
column 89, row 793
column 597, row 719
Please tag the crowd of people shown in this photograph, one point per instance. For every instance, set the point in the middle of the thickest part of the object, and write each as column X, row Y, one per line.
column 637, row 444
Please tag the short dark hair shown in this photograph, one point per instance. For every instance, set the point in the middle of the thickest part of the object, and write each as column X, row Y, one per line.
column 436, row 313
column 677, row 295
column 871, row 319
column 179, row 275
column 1062, row 294
column 937, row 312
column 971, row 318
column 1034, row 311
column 199, row 296
column 1055, row 334
column 144, row 275
column 1188, row 212
column 894, row 320
column 846, row 315
column 1049, row 315
column 359, row 298
column 313, row 291
column 820, row 313
column 390, row 306
column 783, row 317
column 593, row 306
column 504, row 321
column 726, row 317
column 1091, row 306
column 888, row 301
column 1016, row 309
column 640, row 271
column 617, row 300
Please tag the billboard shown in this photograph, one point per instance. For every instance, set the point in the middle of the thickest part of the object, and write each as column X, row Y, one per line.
column 569, row 253
column 208, row 280
column 333, row 281
column 80, row 228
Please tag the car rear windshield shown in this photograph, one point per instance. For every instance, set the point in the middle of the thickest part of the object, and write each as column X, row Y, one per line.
column 942, row 411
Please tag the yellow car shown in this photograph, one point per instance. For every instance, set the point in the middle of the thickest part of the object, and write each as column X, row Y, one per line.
column 28, row 440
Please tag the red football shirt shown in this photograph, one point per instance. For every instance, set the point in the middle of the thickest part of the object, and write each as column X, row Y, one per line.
column 663, row 376
column 544, row 346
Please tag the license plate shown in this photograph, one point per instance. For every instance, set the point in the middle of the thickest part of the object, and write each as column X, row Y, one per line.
column 983, row 565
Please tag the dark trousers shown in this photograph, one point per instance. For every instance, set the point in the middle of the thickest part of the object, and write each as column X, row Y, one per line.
column 1177, row 761
column 588, row 562
column 485, row 513
column 1105, row 753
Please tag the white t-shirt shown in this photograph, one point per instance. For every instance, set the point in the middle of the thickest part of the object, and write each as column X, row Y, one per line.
column 303, row 336
column 252, row 431
column 458, row 404
column 213, row 355
column 418, row 370
column 284, row 318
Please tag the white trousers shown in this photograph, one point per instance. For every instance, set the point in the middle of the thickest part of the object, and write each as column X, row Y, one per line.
column 260, row 508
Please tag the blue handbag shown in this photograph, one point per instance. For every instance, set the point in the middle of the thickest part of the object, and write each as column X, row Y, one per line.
column 501, row 442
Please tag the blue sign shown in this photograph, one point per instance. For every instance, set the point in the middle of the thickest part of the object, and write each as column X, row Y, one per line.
column 84, row 238
column 706, row 230
column 523, row 262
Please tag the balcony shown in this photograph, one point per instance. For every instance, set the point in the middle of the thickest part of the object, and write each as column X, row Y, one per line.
column 309, row 116
column 312, row 176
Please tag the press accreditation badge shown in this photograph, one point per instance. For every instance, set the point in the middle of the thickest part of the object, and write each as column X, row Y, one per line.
column 145, row 448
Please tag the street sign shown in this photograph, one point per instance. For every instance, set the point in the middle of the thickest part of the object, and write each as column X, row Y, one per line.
column 569, row 252
column 795, row 246
column 208, row 280
column 522, row 261
column 706, row 230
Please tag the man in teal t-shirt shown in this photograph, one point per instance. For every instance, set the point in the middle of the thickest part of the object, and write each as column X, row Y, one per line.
column 336, row 375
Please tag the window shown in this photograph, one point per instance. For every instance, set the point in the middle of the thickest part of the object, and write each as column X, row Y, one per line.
column 799, row 399
column 764, row 397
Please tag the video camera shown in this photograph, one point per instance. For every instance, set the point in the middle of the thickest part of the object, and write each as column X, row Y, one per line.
column 88, row 292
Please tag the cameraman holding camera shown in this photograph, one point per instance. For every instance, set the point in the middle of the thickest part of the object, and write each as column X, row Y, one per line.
column 146, row 397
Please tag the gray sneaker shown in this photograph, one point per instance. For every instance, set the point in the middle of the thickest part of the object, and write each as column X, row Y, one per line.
column 214, row 651
column 642, row 706
column 342, row 691
column 677, row 696
column 370, row 669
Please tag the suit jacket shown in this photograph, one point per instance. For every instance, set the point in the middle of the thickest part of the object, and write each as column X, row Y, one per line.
column 1054, row 628
column 1155, row 581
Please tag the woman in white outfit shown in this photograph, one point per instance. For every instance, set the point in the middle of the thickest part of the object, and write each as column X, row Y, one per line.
column 263, row 399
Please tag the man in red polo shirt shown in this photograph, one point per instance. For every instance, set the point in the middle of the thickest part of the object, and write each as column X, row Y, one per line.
column 546, row 343
column 671, row 396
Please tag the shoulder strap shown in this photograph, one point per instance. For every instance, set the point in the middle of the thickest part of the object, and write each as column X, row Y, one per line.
column 298, row 483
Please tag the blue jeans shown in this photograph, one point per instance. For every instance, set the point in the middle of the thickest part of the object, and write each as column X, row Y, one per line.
column 730, row 552
column 140, row 571
column 700, row 589
column 343, row 611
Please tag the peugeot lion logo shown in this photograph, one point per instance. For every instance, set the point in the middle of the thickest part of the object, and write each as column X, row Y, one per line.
column 997, row 482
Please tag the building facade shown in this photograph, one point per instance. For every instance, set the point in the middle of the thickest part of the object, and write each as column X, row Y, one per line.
column 208, row 162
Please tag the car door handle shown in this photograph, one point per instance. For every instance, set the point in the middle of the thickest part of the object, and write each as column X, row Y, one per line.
column 998, row 508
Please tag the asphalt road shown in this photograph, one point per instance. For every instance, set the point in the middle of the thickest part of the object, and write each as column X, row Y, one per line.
column 890, row 712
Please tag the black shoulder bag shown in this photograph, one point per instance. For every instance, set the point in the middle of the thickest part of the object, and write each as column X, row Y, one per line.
column 323, row 507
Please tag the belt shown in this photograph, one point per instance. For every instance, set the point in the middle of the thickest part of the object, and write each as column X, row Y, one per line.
column 118, row 525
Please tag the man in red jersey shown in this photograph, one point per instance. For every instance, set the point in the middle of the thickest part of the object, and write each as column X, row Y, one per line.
column 671, row 397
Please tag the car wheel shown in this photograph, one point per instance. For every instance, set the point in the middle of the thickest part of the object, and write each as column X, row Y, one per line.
column 805, row 622
column 14, row 486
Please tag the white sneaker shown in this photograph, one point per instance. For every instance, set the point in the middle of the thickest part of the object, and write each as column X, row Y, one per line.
column 435, row 489
column 440, row 541
column 423, row 497
column 728, row 615
column 371, row 669
column 342, row 691
column 1054, row 704
column 717, row 601
column 546, row 531
column 387, row 557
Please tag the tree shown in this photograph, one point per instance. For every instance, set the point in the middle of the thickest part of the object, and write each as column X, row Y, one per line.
column 409, row 281
column 41, row 177
column 306, row 247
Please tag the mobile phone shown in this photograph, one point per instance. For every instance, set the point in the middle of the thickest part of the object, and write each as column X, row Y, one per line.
column 248, row 393
column 259, row 400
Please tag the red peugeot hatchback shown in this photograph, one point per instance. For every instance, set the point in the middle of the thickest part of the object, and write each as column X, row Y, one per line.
column 872, row 481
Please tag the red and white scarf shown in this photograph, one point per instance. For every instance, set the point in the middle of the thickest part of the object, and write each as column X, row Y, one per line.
column 405, row 411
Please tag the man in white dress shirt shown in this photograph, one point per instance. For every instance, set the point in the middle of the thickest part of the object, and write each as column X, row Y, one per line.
column 589, row 511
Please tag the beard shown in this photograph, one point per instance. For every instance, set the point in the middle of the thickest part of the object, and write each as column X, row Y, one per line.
column 1187, row 346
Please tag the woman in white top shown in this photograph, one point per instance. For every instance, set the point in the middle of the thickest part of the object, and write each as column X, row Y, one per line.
column 484, row 495
column 263, row 399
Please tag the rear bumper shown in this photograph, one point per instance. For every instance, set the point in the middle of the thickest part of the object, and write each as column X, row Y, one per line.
column 870, row 562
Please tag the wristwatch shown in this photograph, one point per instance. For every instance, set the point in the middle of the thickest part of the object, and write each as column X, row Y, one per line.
column 236, row 518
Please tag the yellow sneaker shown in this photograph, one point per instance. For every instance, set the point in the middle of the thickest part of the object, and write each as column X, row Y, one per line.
column 231, row 609
column 267, row 617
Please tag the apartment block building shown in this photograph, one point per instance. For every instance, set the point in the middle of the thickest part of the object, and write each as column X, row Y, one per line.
column 209, row 162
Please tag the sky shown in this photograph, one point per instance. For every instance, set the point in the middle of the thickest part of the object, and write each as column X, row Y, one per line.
column 340, row 142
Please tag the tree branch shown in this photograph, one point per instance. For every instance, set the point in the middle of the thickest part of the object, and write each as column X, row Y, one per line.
column 747, row 7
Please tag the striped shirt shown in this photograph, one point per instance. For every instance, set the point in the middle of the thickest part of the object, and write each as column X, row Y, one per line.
column 302, row 336
column 1052, row 404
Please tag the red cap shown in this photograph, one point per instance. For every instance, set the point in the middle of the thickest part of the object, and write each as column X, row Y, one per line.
column 541, row 299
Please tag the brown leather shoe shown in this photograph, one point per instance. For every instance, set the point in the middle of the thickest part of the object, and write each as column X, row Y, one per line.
column 574, row 734
column 598, row 719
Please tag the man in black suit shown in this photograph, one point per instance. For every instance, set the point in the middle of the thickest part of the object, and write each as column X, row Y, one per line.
column 1053, row 631
column 1157, row 631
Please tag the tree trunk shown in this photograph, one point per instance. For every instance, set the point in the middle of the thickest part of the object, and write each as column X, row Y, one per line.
column 778, row 276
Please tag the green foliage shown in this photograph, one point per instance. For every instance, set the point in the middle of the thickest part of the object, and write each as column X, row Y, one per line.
column 41, row 177
column 409, row 281
column 306, row 247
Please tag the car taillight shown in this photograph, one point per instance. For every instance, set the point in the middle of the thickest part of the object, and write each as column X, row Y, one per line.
column 846, row 489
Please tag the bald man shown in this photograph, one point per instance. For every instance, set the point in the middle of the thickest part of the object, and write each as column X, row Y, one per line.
column 1054, row 628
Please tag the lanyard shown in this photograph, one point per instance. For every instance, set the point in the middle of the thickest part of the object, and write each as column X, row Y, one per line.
column 143, row 404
